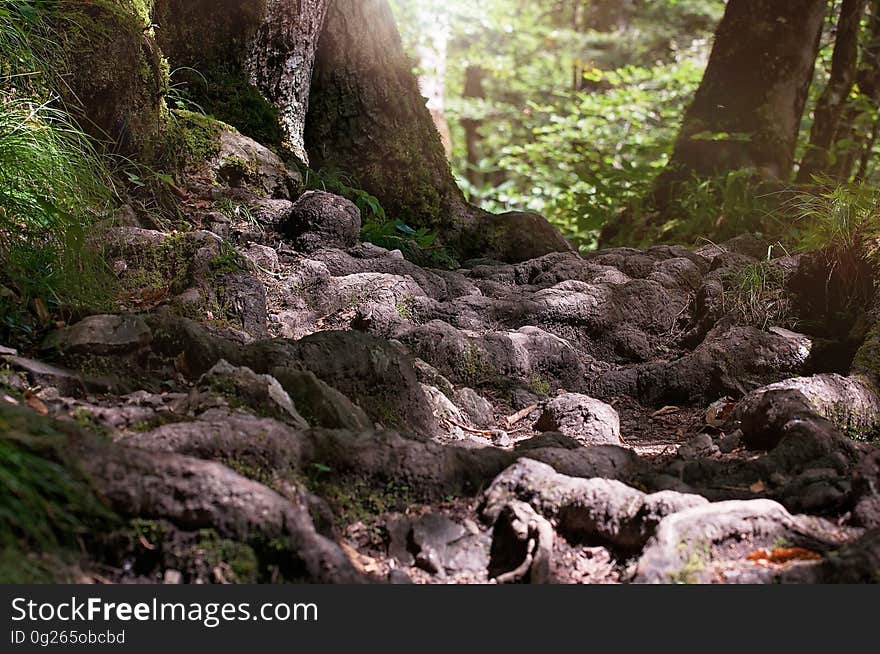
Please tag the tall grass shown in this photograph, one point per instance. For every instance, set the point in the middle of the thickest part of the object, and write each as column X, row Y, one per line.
column 53, row 184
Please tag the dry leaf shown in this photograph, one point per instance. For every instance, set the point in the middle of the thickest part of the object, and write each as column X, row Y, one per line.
column 783, row 555
column 665, row 411
column 37, row 405
column 758, row 487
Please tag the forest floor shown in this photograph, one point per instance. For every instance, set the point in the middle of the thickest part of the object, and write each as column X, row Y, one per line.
column 276, row 400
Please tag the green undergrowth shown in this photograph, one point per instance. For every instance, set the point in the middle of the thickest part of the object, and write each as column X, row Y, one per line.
column 421, row 246
column 758, row 294
column 224, row 93
column 356, row 499
column 53, row 184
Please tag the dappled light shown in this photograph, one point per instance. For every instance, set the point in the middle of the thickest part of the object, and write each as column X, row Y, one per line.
column 423, row 292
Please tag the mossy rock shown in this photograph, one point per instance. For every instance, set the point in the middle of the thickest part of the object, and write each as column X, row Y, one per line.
column 46, row 502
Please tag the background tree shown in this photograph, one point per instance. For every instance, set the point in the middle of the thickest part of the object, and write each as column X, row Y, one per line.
column 857, row 137
column 832, row 103
column 368, row 118
column 747, row 111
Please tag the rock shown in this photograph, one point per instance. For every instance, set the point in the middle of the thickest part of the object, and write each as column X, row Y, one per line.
column 319, row 403
column 429, row 375
column 700, row 446
column 438, row 545
column 521, row 236
column 322, row 220
column 588, row 421
column 689, row 542
column 548, row 440
column 368, row 370
column 850, row 403
column 522, row 546
column 242, row 162
column 194, row 494
column 527, row 355
column 101, row 335
column 263, row 394
column 597, row 510
column 730, row 361
column 765, row 423
column 241, row 297
column 449, row 417
column 475, row 406
column 172, row 577
column 265, row 258
column 67, row 382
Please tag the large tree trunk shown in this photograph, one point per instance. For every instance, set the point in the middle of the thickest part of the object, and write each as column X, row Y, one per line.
column 829, row 110
column 280, row 61
column 748, row 108
column 244, row 49
column 368, row 118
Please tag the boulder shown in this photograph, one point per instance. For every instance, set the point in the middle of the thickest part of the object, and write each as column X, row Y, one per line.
column 321, row 404
column 322, row 220
column 583, row 418
column 262, row 394
column 101, row 335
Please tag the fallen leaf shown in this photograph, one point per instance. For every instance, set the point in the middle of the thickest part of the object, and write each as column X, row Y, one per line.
column 758, row 487
column 783, row 555
column 665, row 411
column 363, row 563
column 37, row 405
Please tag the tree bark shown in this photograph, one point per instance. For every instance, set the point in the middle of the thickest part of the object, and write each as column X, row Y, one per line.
column 367, row 118
column 829, row 110
column 747, row 110
column 266, row 46
column 280, row 60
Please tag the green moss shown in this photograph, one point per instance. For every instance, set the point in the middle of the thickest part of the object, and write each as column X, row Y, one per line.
column 46, row 502
column 405, row 307
column 240, row 558
column 474, row 368
column 228, row 260
column 223, row 91
column 696, row 563
column 540, row 386
column 356, row 499
column 191, row 138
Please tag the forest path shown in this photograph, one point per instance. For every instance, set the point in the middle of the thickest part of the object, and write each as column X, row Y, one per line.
column 569, row 418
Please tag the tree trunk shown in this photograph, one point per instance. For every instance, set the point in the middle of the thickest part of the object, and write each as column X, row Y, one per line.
column 367, row 118
column 858, row 124
column 473, row 88
column 748, row 108
column 280, row 59
column 829, row 110
column 246, row 52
